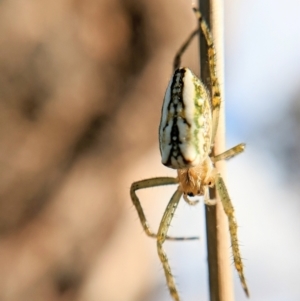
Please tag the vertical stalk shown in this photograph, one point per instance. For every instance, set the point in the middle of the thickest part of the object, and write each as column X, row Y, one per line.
column 218, row 248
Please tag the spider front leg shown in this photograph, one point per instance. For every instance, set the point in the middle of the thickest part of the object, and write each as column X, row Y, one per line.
column 229, row 210
column 162, row 236
column 136, row 202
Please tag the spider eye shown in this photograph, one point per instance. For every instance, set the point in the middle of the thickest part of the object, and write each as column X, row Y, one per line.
column 210, row 184
column 190, row 194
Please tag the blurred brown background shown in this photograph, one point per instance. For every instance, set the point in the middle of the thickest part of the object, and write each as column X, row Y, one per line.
column 81, row 87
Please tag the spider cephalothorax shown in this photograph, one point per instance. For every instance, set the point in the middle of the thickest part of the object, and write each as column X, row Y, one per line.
column 195, row 181
column 188, row 125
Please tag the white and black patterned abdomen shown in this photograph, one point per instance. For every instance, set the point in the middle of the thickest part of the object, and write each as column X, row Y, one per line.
column 186, row 121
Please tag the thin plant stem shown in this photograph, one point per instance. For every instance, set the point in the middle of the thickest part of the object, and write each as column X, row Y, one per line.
column 218, row 248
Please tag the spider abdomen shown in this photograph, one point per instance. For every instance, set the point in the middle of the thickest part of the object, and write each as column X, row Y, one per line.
column 186, row 121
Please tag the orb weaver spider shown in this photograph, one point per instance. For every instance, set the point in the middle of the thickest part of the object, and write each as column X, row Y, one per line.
column 189, row 121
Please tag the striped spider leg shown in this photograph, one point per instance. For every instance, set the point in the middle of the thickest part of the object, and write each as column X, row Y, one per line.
column 189, row 121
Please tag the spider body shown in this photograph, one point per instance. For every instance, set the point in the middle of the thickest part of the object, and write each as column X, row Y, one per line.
column 194, row 181
column 185, row 130
column 189, row 121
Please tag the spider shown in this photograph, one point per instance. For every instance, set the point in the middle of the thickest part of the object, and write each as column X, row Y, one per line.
column 187, row 130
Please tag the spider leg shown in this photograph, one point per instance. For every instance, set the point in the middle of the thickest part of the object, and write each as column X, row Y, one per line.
column 232, row 152
column 162, row 236
column 177, row 59
column 229, row 210
column 215, row 87
column 136, row 202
